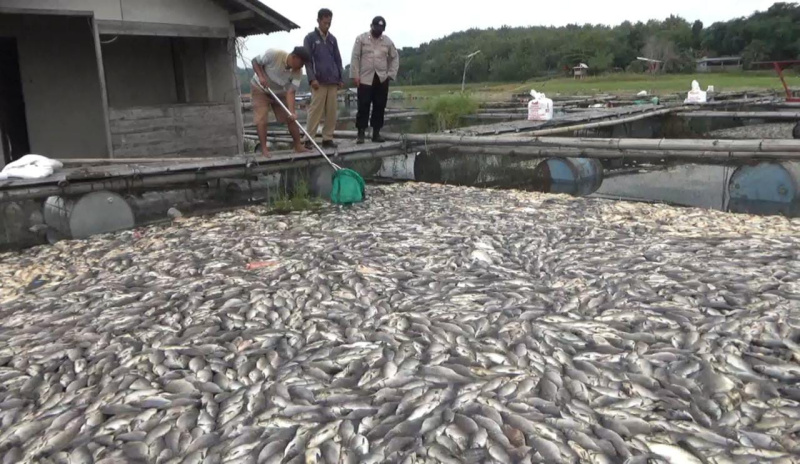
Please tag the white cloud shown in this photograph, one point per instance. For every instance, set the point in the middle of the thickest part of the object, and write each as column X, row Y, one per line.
column 412, row 22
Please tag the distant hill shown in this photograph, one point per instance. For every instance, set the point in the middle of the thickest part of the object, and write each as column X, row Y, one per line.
column 516, row 54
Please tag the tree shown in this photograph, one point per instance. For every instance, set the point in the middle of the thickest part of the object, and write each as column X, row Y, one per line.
column 601, row 62
column 517, row 53
column 697, row 34
column 755, row 51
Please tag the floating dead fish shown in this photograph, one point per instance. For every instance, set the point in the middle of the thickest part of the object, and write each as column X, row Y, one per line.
column 429, row 324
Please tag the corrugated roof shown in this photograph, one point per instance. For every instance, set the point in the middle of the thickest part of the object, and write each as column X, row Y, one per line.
column 722, row 58
column 251, row 17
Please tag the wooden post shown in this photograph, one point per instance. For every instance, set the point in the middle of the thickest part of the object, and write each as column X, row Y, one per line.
column 2, row 148
column 207, row 62
column 101, row 72
column 237, row 90
column 181, row 89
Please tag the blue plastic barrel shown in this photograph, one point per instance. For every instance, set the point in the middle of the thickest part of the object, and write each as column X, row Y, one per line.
column 573, row 176
column 766, row 188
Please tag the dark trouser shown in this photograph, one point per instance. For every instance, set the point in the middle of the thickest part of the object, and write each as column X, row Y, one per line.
column 375, row 95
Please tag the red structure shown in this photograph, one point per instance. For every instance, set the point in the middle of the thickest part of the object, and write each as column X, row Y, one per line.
column 779, row 67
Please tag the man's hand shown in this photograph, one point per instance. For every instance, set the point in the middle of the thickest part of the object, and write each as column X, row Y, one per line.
column 315, row 85
column 341, row 85
column 357, row 81
column 292, row 117
column 263, row 81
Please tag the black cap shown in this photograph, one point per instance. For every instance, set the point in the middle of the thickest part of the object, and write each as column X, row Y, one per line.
column 379, row 22
column 303, row 53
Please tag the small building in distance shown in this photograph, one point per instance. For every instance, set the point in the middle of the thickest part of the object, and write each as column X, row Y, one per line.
column 721, row 64
column 580, row 71
column 125, row 78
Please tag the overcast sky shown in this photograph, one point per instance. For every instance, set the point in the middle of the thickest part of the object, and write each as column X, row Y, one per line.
column 412, row 22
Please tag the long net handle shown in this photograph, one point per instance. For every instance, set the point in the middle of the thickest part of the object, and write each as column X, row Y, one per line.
column 311, row 139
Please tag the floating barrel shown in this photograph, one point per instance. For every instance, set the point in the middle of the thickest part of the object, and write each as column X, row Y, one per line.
column 448, row 168
column 765, row 188
column 398, row 167
column 94, row 213
column 573, row 176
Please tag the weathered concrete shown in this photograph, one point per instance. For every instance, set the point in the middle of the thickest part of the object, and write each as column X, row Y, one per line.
column 220, row 76
column 139, row 72
column 182, row 12
column 61, row 85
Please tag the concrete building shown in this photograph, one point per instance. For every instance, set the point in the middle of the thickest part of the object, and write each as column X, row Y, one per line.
column 721, row 64
column 124, row 78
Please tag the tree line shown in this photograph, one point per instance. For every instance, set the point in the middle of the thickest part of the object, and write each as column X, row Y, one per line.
column 521, row 53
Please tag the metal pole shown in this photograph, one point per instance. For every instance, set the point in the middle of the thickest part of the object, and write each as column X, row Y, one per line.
column 464, row 78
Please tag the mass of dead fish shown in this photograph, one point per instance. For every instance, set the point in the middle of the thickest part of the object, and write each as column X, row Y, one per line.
column 428, row 324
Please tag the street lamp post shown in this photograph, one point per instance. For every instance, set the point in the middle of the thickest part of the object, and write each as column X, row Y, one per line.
column 464, row 79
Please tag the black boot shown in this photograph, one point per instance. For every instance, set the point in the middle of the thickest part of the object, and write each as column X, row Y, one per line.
column 362, row 134
column 376, row 136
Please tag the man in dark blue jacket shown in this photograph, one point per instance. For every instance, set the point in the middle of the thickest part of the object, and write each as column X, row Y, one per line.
column 325, row 76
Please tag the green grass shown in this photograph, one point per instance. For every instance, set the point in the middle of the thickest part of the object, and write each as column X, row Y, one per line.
column 621, row 84
column 300, row 200
column 447, row 110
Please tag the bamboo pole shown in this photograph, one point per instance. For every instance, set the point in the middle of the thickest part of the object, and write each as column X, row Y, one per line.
column 558, row 152
column 750, row 146
column 741, row 114
column 79, row 161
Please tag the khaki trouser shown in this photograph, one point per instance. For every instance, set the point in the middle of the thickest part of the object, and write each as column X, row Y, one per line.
column 323, row 103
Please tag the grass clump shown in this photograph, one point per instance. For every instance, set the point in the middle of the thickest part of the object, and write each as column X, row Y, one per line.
column 300, row 200
column 447, row 110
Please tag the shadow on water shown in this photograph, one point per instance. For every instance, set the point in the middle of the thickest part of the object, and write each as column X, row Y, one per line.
column 765, row 188
column 756, row 188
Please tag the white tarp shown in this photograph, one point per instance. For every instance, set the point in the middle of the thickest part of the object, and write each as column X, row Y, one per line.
column 30, row 167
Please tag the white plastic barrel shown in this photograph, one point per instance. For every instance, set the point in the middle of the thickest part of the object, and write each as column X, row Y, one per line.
column 91, row 214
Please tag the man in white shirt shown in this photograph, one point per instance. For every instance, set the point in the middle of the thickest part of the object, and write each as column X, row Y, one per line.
column 374, row 63
column 280, row 72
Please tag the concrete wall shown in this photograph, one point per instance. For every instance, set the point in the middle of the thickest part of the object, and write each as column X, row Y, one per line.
column 224, row 87
column 61, row 84
column 193, row 130
column 139, row 72
column 193, row 58
column 183, row 12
